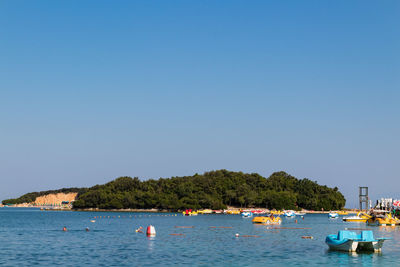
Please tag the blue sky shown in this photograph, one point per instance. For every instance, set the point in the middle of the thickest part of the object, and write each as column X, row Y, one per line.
column 93, row 90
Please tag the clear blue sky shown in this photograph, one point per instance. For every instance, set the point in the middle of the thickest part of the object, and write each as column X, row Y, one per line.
column 93, row 90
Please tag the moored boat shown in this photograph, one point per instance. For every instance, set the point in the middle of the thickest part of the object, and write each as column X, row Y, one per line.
column 205, row 211
column 190, row 213
column 277, row 212
column 382, row 220
column 289, row 213
column 351, row 242
column 232, row 212
column 333, row 215
column 267, row 220
column 360, row 217
column 247, row 214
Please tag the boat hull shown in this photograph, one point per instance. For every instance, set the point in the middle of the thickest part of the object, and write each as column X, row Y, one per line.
column 355, row 246
column 352, row 242
column 348, row 246
column 355, row 220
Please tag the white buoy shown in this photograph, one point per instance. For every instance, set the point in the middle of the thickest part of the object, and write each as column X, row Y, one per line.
column 237, row 235
column 151, row 231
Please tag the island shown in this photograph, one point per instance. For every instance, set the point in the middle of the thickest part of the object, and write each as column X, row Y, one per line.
column 210, row 190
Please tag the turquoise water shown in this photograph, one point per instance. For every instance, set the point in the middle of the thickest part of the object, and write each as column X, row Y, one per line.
column 33, row 237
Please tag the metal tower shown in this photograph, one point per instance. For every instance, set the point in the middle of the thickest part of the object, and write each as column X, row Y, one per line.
column 363, row 197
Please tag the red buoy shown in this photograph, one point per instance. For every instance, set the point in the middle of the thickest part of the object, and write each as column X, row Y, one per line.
column 151, row 231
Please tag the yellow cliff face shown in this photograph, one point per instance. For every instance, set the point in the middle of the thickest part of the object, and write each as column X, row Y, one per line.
column 55, row 199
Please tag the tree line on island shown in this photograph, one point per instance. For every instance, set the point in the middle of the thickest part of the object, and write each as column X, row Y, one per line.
column 213, row 190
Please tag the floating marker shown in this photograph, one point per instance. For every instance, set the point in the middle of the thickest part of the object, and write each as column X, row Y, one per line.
column 151, row 231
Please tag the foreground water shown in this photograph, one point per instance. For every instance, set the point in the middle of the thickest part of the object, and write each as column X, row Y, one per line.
column 33, row 237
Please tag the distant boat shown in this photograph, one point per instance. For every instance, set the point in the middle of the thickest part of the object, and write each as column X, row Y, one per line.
column 267, row 220
column 247, row 214
column 289, row 213
column 360, row 217
column 205, row 211
column 342, row 212
column 333, row 215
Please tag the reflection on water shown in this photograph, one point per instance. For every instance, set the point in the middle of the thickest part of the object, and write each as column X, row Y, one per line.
column 150, row 242
column 32, row 237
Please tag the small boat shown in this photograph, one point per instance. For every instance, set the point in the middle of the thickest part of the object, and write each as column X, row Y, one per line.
column 289, row 213
column 351, row 241
column 342, row 212
column 360, row 217
column 247, row 214
column 267, row 220
column 205, row 211
column 277, row 212
column 234, row 212
column 190, row 213
column 333, row 215
column 381, row 220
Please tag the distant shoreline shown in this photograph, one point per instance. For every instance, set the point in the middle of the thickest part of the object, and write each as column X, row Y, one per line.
column 353, row 211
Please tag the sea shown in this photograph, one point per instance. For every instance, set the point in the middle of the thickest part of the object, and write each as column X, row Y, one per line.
column 33, row 237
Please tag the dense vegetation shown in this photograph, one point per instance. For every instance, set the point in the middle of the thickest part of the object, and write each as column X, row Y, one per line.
column 214, row 190
column 31, row 197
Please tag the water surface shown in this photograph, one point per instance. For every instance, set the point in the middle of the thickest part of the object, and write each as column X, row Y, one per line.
column 33, row 237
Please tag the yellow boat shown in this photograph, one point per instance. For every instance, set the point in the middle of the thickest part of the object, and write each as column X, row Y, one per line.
column 387, row 220
column 267, row 220
column 342, row 212
column 235, row 212
column 191, row 213
column 277, row 212
column 361, row 217
column 205, row 211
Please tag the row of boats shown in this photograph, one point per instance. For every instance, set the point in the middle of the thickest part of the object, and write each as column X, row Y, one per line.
column 372, row 218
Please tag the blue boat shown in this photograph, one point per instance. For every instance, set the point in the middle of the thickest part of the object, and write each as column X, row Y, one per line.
column 247, row 214
column 289, row 213
column 351, row 241
column 333, row 215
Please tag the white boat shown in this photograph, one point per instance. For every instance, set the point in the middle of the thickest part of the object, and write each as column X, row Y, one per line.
column 360, row 217
column 333, row 215
column 300, row 213
column 247, row 214
column 289, row 213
